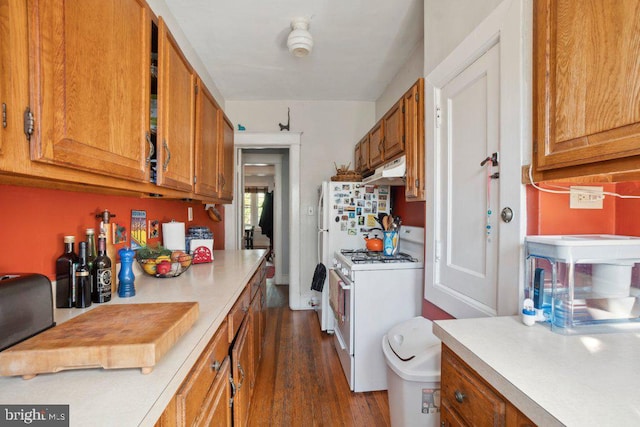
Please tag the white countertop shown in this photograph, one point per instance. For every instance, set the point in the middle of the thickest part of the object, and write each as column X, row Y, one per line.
column 554, row 379
column 126, row 397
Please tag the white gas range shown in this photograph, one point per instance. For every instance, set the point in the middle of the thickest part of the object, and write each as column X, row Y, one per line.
column 369, row 294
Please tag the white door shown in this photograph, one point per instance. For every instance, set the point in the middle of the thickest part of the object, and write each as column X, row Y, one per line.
column 477, row 103
column 469, row 133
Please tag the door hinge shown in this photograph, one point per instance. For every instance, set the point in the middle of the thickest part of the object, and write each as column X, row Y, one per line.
column 438, row 117
column 29, row 123
column 195, row 179
column 4, row 115
column 417, row 97
column 535, row 146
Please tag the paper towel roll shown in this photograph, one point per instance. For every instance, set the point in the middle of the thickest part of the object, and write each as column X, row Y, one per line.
column 173, row 235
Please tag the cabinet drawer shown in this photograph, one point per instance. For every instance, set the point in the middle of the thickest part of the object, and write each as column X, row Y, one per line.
column 255, row 284
column 238, row 311
column 193, row 391
column 465, row 393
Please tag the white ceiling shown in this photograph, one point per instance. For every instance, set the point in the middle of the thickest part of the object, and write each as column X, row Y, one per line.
column 359, row 46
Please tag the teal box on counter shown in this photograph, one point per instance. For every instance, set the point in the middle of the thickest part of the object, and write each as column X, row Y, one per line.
column 584, row 283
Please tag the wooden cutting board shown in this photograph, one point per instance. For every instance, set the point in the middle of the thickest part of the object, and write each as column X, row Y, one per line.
column 109, row 337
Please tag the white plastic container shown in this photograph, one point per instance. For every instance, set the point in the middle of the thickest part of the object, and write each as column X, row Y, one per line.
column 412, row 354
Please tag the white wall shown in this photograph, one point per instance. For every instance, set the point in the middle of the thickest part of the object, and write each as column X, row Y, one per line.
column 411, row 71
column 447, row 23
column 160, row 9
column 330, row 130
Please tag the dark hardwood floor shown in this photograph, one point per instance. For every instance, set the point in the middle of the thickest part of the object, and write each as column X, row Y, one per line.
column 300, row 381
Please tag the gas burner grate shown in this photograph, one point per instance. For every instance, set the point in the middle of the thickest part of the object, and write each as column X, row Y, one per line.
column 363, row 256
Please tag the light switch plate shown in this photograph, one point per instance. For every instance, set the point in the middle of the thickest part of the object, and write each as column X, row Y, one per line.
column 190, row 213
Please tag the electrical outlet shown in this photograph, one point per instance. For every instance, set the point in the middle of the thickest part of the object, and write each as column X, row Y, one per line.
column 586, row 197
column 190, row 213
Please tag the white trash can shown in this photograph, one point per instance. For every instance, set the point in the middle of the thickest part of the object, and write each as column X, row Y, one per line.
column 412, row 354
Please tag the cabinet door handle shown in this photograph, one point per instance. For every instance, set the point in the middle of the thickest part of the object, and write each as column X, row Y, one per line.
column 166, row 162
column 215, row 366
column 152, row 150
column 233, row 386
column 245, row 309
column 459, row 396
column 241, row 376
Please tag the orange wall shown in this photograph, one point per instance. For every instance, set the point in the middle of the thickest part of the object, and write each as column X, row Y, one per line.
column 550, row 214
column 628, row 210
column 33, row 222
column 412, row 213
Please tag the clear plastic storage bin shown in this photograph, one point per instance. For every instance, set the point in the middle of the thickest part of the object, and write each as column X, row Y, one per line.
column 585, row 283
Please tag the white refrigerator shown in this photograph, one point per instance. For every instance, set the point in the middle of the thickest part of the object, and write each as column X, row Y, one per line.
column 346, row 211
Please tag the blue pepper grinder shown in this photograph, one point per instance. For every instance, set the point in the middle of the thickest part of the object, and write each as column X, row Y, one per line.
column 126, row 276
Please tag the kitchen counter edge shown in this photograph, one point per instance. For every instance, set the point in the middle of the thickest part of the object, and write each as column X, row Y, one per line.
column 215, row 286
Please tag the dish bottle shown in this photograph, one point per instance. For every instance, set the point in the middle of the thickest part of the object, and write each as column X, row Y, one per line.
column 101, row 274
column 83, row 279
column 66, row 275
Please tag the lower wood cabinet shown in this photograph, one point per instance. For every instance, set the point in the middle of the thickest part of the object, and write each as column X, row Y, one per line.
column 217, row 410
column 219, row 387
column 468, row 400
column 242, row 371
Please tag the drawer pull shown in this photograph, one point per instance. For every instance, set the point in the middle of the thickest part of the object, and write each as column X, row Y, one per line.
column 459, row 396
column 216, row 365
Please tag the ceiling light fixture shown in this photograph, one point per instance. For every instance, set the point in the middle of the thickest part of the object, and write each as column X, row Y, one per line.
column 300, row 41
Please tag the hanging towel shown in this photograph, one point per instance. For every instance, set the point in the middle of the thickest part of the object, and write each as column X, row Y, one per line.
column 319, row 275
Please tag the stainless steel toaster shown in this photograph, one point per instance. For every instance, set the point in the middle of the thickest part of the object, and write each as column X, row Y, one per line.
column 26, row 307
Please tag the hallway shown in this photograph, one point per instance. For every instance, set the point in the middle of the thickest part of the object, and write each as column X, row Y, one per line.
column 300, row 381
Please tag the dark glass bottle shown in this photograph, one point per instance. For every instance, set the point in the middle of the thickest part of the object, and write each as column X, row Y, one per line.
column 66, row 275
column 91, row 247
column 101, row 285
column 83, row 279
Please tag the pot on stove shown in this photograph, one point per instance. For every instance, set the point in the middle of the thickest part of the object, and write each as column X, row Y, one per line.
column 374, row 244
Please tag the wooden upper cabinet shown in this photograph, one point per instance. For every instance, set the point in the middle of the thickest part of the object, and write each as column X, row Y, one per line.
column 14, row 81
column 176, row 113
column 89, row 92
column 414, row 141
column 361, row 155
column 206, row 145
column 226, row 159
column 586, row 97
column 394, row 130
column 376, row 150
column 357, row 158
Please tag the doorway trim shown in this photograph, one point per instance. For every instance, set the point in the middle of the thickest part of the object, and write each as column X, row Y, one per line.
column 290, row 140
column 276, row 161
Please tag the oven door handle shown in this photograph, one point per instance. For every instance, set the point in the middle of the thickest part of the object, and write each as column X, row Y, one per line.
column 343, row 286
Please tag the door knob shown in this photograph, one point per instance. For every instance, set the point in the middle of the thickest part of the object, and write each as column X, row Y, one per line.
column 506, row 214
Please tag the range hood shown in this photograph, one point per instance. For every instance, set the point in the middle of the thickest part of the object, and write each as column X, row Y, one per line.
column 392, row 173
